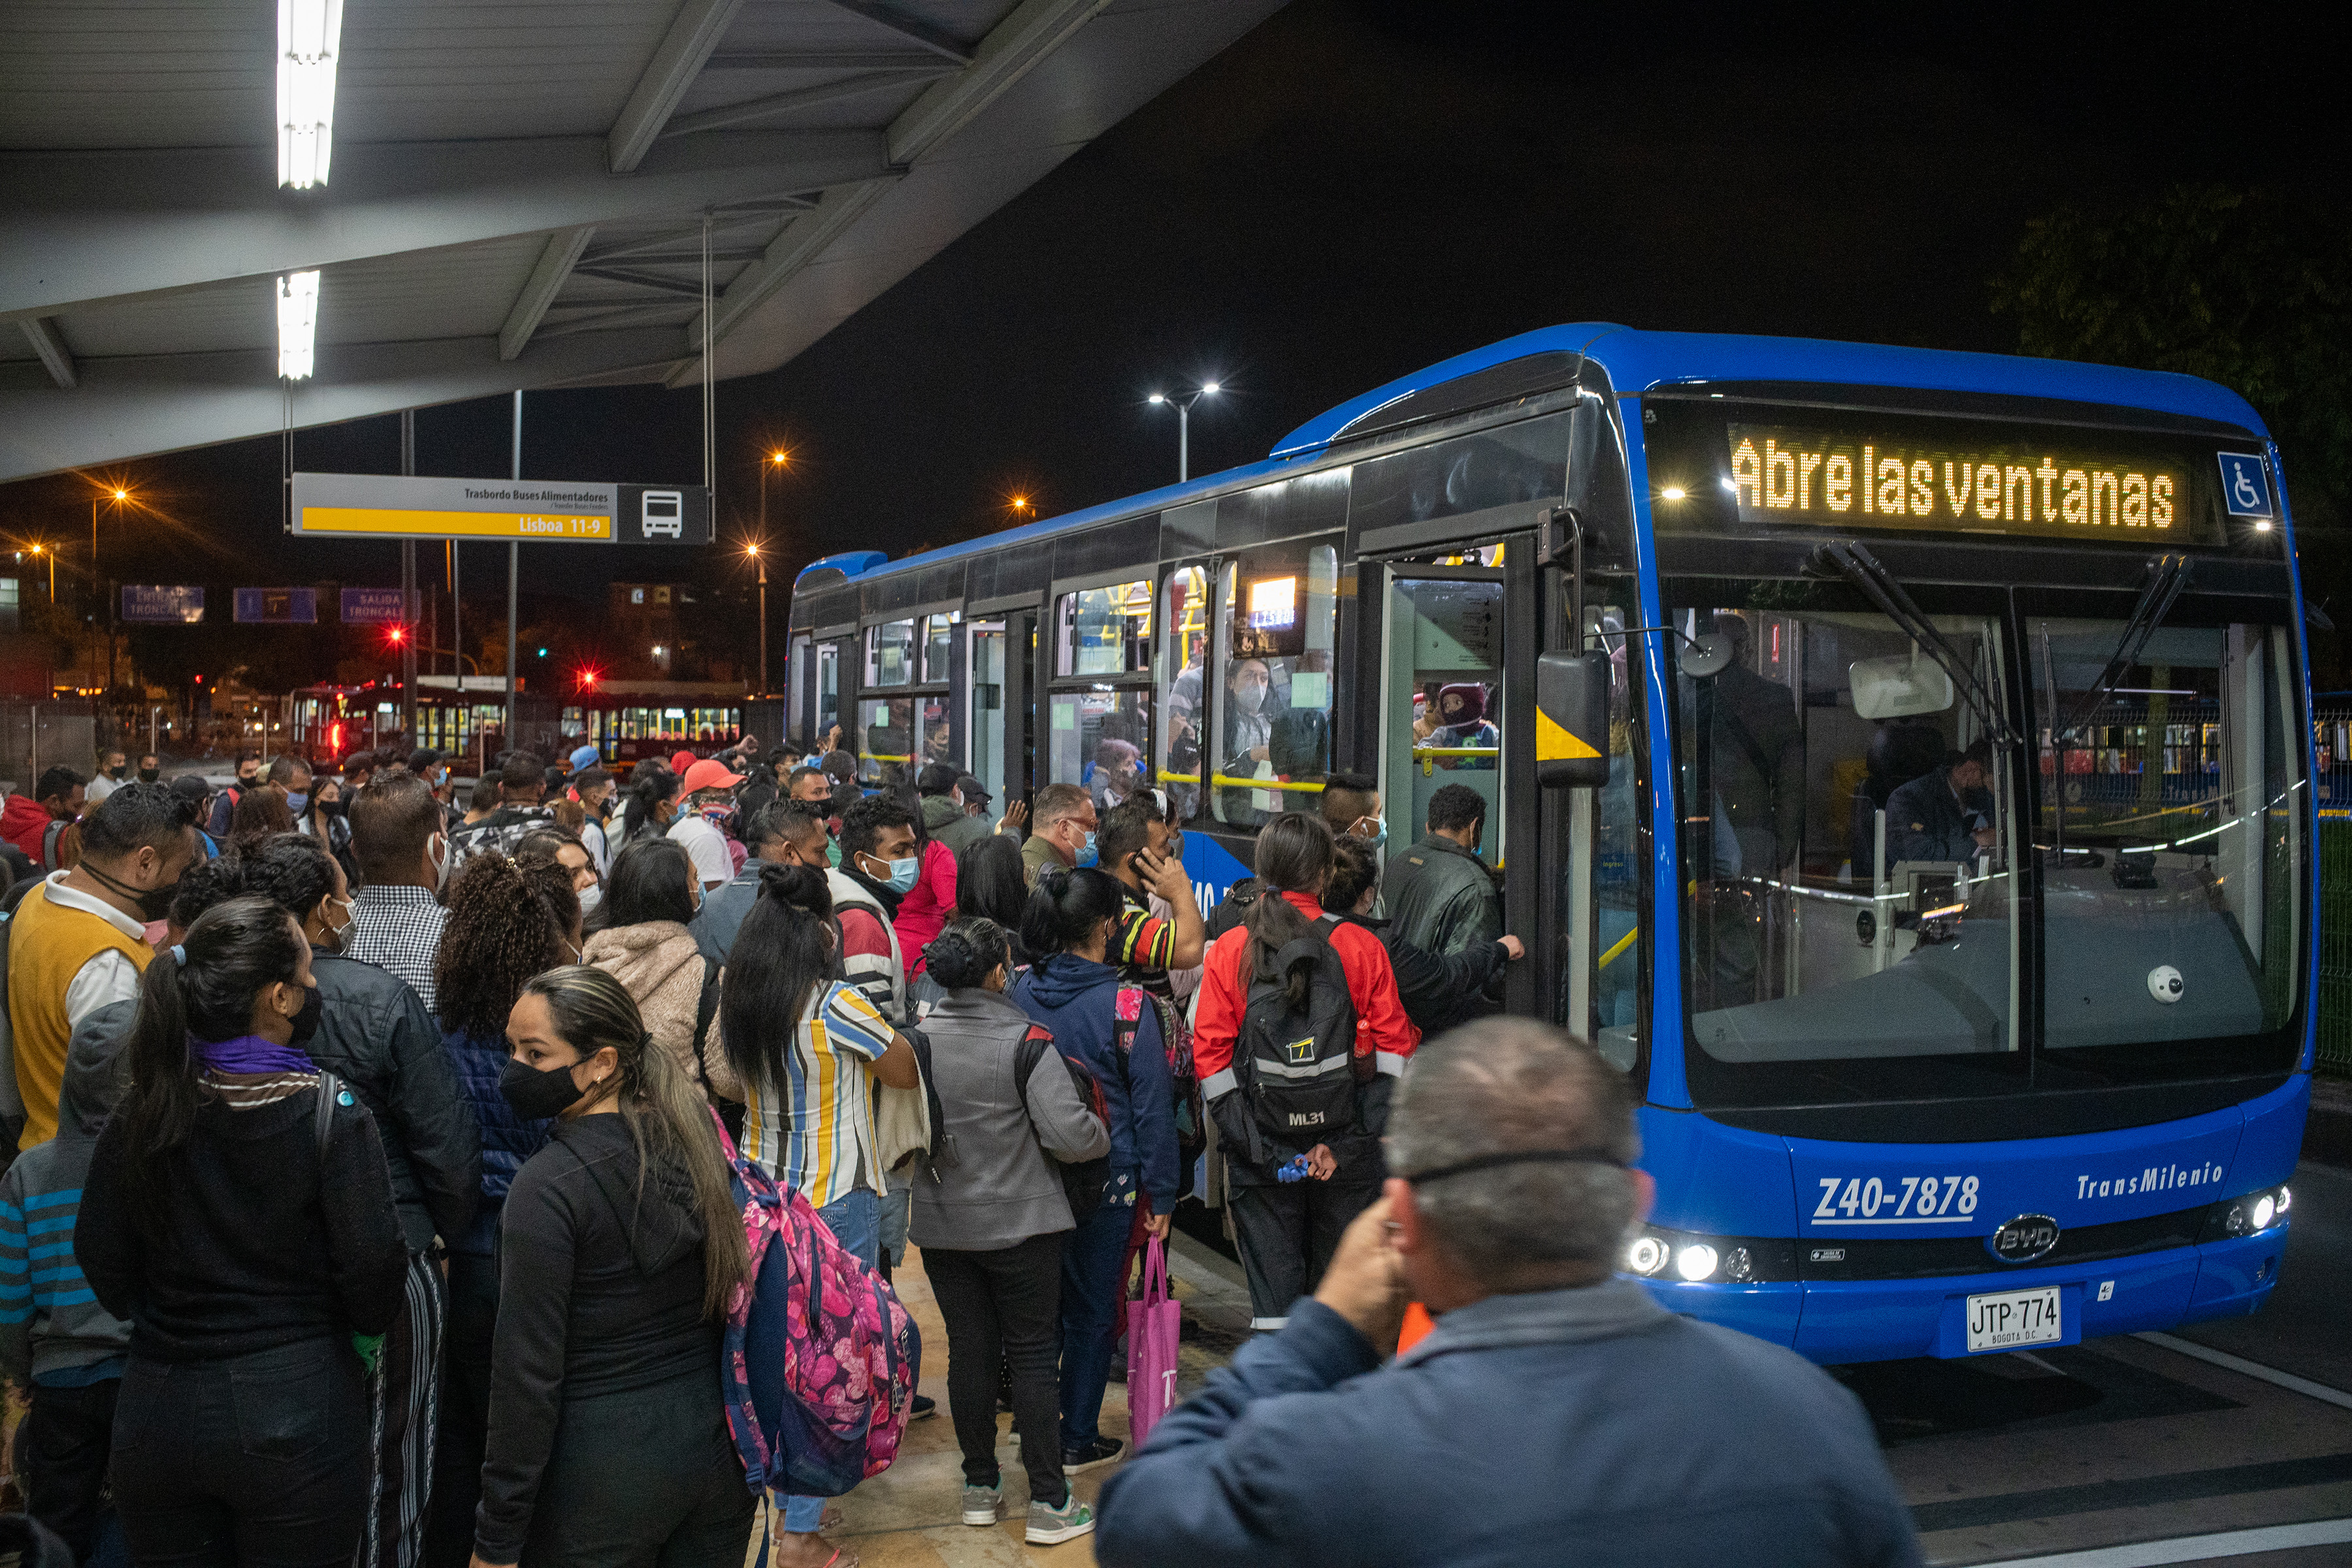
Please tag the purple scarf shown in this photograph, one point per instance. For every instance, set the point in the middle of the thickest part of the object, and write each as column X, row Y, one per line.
column 249, row 1053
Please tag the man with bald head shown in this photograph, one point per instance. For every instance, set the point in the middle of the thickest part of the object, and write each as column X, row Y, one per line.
column 1556, row 1412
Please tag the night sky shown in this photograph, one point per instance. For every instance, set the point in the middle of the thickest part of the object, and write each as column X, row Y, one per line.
column 1357, row 188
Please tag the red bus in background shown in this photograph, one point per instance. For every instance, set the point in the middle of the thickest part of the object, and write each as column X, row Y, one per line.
column 625, row 720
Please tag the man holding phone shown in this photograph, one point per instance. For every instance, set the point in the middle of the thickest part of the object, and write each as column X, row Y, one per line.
column 1133, row 842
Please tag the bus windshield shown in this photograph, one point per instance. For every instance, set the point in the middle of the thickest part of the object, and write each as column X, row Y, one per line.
column 1867, row 853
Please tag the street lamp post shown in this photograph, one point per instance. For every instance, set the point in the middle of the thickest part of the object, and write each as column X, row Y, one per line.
column 97, row 584
column 1182, row 402
column 776, row 460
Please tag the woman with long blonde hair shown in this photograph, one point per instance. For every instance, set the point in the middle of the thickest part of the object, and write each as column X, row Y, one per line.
column 619, row 1251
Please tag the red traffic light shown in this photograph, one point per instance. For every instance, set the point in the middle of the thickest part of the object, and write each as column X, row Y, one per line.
column 397, row 633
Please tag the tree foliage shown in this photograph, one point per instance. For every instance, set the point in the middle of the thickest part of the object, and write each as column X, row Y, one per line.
column 2243, row 288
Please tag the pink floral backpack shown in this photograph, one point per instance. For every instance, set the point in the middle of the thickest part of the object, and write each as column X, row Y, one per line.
column 819, row 1362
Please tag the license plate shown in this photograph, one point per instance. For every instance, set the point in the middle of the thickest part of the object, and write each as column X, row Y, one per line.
column 2004, row 1321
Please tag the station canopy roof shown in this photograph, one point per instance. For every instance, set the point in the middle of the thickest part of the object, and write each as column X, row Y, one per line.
column 518, row 192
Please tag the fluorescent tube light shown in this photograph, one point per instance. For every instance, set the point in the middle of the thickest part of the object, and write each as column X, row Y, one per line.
column 298, row 323
column 309, row 34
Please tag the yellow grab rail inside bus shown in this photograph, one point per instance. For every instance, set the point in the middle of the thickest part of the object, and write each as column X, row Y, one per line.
column 1426, row 755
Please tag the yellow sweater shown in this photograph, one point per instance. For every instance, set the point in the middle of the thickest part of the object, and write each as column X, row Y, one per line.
column 47, row 945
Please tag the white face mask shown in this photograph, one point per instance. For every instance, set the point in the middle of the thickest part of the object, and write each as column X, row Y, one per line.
column 589, row 899
column 1249, row 696
column 439, row 852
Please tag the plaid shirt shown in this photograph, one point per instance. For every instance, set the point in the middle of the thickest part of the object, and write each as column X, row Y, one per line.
column 398, row 928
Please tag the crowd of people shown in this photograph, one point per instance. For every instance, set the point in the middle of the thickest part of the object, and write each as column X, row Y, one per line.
column 370, row 1199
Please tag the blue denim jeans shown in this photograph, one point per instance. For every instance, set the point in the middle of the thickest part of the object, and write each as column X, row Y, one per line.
column 855, row 1223
column 1091, row 1303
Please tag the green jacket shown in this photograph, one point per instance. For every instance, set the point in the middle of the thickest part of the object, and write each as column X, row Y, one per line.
column 1441, row 897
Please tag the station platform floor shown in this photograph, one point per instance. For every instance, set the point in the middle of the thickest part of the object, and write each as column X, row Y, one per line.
column 907, row 1516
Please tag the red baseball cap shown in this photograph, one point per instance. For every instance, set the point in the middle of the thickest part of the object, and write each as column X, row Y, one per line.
column 710, row 774
column 680, row 761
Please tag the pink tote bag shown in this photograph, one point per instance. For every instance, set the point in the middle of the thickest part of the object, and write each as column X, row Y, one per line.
column 1153, row 1323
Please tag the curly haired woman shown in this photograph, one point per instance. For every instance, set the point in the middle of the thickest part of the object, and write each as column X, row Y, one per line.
column 506, row 923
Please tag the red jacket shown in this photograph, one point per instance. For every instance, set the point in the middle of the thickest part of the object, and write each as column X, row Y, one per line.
column 23, row 822
column 1382, row 1030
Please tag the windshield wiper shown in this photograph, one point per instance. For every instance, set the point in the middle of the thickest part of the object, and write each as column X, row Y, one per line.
column 2167, row 576
column 1859, row 567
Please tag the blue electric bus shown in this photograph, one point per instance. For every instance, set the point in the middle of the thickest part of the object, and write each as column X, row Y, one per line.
column 1940, row 863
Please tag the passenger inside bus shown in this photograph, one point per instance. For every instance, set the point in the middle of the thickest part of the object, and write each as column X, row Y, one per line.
column 1946, row 814
column 1455, row 720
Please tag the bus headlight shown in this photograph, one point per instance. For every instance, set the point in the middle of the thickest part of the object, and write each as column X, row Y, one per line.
column 1655, row 1253
column 2250, row 1213
column 1645, row 1256
column 1695, row 1262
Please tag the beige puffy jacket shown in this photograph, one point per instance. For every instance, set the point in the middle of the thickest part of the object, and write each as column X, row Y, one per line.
column 660, row 968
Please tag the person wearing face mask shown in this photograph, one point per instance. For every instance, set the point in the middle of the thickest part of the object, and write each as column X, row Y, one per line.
column 375, row 1033
column 77, row 942
column 644, row 943
column 113, row 768
column 619, row 1251
column 505, row 925
column 1074, row 991
column 593, row 789
column 805, row 1051
column 1064, row 834
column 699, row 831
column 1249, row 715
column 325, row 817
column 560, row 846
column 878, row 867
column 781, row 835
column 930, row 901
column 992, row 1220
column 402, row 853
column 151, row 767
column 248, row 1234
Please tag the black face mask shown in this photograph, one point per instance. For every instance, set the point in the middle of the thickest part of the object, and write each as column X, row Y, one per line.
column 148, row 775
column 153, row 903
column 536, row 1095
column 117, row 772
column 306, row 1022
column 328, row 807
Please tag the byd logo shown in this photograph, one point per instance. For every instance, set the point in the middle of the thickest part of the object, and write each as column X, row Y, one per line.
column 2025, row 1238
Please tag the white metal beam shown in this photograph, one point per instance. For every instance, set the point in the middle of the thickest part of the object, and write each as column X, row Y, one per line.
column 743, row 113
column 85, row 227
column 831, row 60
column 177, row 401
column 907, row 27
column 539, row 291
column 1012, row 48
column 43, row 335
column 693, row 33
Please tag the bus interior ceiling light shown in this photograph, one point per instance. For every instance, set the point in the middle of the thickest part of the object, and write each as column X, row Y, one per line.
column 309, row 34
column 298, row 323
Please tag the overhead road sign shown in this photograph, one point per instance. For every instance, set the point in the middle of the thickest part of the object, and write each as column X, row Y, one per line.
column 160, row 606
column 375, row 608
column 278, row 606
column 543, row 511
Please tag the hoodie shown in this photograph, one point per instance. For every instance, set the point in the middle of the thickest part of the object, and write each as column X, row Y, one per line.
column 600, row 1292
column 1077, row 999
column 23, row 822
column 51, row 1327
column 660, row 966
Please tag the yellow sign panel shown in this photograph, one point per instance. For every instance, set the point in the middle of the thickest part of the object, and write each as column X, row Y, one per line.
column 1554, row 744
column 487, row 525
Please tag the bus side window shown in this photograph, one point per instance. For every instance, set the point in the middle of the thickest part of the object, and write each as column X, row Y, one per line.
column 1100, row 707
column 1182, row 685
column 1444, row 686
column 1272, row 748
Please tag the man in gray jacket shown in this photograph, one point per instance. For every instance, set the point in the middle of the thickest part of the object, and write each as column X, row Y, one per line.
column 1557, row 1414
column 1440, row 896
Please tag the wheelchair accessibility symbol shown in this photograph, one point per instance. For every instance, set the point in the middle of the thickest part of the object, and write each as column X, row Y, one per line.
column 2245, row 488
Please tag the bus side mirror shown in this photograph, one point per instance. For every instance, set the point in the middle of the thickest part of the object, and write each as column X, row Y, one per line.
column 1572, row 721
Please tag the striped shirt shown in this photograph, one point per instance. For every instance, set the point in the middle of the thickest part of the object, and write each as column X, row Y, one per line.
column 38, row 1271
column 1144, row 946
column 818, row 1133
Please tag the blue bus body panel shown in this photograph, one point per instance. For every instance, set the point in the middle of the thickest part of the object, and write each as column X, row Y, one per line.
column 1637, row 361
column 1722, row 1181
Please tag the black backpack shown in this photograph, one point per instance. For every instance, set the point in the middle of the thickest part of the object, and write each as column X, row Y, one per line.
column 1297, row 1069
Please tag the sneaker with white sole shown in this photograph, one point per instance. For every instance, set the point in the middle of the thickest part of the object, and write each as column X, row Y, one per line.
column 1052, row 1526
column 980, row 1505
column 1087, row 1455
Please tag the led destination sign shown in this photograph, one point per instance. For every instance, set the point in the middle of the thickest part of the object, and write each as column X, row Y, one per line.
column 1855, row 479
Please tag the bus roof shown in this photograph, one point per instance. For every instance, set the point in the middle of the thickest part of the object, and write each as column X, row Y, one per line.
column 1638, row 361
